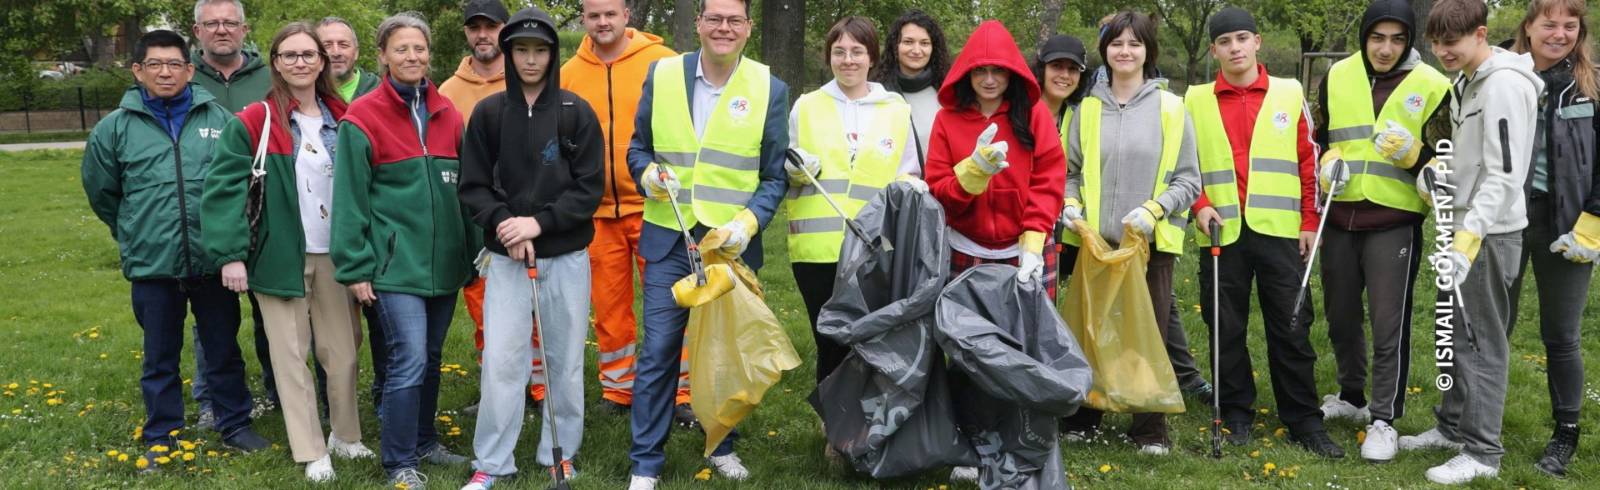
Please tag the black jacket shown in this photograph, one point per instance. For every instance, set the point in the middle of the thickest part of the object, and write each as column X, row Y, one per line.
column 516, row 162
column 1570, row 140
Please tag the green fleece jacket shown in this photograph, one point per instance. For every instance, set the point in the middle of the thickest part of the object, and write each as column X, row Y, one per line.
column 396, row 220
column 146, row 186
column 248, row 84
column 276, row 266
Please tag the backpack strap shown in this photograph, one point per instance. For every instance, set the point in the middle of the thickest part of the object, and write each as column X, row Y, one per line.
column 567, row 124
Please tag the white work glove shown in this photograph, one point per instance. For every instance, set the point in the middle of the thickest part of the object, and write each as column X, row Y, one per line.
column 1030, row 266
column 1143, row 218
column 1453, row 264
column 1335, row 174
column 1071, row 212
column 1397, row 144
column 660, row 182
column 990, row 158
column 738, row 232
column 1422, row 181
column 1582, row 244
column 810, row 167
column 916, row 183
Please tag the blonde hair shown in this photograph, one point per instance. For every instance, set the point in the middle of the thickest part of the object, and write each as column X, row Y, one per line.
column 1582, row 55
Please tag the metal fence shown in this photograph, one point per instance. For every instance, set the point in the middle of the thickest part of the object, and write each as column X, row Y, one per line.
column 46, row 109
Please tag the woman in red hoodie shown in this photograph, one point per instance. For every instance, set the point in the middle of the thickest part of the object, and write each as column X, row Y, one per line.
column 995, row 160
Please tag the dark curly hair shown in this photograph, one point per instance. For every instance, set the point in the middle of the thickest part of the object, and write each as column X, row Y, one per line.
column 887, row 69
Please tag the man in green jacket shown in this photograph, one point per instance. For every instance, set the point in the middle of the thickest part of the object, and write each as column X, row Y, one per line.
column 339, row 41
column 143, row 169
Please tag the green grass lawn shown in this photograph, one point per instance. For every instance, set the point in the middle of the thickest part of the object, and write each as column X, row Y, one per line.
column 43, row 137
column 70, row 369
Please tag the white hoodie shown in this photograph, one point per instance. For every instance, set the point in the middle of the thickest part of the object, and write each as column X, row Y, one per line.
column 854, row 113
column 1492, row 114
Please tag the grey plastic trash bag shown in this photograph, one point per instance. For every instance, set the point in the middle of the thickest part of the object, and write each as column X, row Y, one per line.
column 1016, row 368
column 887, row 407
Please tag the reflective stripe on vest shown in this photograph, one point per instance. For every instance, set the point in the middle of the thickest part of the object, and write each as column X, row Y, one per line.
column 1168, row 232
column 719, row 174
column 1351, row 125
column 1273, row 206
column 816, row 232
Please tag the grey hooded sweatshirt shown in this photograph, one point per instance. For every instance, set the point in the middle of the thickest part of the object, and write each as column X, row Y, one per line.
column 1492, row 114
column 1130, row 155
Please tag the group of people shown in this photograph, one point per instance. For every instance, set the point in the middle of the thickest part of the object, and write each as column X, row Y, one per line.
column 538, row 191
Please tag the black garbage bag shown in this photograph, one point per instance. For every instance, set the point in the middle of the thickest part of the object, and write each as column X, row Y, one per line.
column 887, row 408
column 1017, row 370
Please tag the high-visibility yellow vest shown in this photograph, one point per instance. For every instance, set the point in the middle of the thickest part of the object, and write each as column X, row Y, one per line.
column 1273, row 206
column 1351, row 125
column 1168, row 232
column 719, row 173
column 1066, row 123
column 816, row 232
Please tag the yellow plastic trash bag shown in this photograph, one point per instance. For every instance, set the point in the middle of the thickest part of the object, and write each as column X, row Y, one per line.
column 1108, row 308
column 737, row 350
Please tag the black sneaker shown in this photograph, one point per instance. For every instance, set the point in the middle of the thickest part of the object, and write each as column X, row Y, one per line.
column 615, row 408
column 246, row 440
column 684, row 416
column 1236, row 432
column 1203, row 392
column 1319, row 444
column 1557, row 454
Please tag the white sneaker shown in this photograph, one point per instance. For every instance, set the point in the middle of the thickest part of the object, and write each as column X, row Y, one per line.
column 1432, row 439
column 641, row 483
column 348, row 450
column 1334, row 408
column 1461, row 469
column 320, row 470
column 729, row 466
column 964, row 473
column 1153, row 450
column 1380, row 444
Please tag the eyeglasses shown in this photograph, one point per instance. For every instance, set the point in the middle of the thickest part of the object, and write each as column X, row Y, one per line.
column 307, row 57
column 733, row 22
column 227, row 25
column 851, row 55
column 158, row 65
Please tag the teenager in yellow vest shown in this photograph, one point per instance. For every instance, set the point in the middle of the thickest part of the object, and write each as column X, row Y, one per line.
column 1372, row 245
column 853, row 138
column 1258, row 165
column 1131, row 161
column 711, row 128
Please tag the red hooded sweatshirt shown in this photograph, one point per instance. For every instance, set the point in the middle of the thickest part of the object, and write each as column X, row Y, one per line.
column 1025, row 196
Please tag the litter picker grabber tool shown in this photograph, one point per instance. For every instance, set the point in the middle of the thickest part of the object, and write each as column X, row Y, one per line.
column 1216, row 342
column 549, row 412
column 696, row 262
column 880, row 243
column 1430, row 179
column 1340, row 172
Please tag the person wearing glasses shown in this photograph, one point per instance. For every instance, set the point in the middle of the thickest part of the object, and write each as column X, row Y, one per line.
column 286, row 262
column 716, row 142
column 142, row 172
column 236, row 76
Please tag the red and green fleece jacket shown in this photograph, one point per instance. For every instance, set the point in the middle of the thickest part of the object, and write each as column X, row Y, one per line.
column 397, row 222
column 277, row 264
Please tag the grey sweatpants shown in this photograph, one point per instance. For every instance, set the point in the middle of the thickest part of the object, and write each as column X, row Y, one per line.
column 507, row 325
column 1472, row 411
column 1563, row 290
column 1383, row 264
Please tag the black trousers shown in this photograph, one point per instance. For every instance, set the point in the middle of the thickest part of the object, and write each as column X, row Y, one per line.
column 815, row 282
column 1275, row 267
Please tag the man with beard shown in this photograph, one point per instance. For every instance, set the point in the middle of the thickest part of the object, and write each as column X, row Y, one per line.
column 339, row 41
column 482, row 73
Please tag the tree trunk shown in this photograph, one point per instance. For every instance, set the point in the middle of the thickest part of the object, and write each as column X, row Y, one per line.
column 684, row 37
column 783, row 35
column 640, row 13
column 1050, row 18
column 1419, row 9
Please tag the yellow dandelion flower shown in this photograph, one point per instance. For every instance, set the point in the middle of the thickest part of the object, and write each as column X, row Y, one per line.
column 13, row 386
column 402, row 486
column 1105, row 468
column 703, row 475
column 1263, row 410
column 444, row 418
column 186, row 445
column 53, row 402
column 104, row 355
column 1280, row 432
column 944, row 487
column 141, row 463
column 173, row 432
column 772, row 433
column 1255, row 453
column 48, row 385
column 122, row 458
column 16, row 411
column 160, row 448
column 111, row 453
column 188, row 456
column 94, row 335
column 9, row 393
column 211, row 454
column 1361, row 437
column 163, row 460
column 1269, row 466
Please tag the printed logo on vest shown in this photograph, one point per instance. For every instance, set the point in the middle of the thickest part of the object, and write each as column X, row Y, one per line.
column 1280, row 120
column 1414, row 103
column 886, row 146
column 739, row 107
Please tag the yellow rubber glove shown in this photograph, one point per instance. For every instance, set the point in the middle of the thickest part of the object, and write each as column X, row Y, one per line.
column 987, row 159
column 688, row 293
column 1397, row 144
column 1582, row 244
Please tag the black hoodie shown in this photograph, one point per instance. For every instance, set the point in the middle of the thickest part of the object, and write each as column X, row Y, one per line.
column 515, row 161
column 1367, row 215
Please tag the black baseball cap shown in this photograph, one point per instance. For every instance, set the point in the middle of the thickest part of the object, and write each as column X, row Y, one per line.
column 1062, row 47
column 488, row 9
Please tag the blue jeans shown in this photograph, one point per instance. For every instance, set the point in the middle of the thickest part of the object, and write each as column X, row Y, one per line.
column 158, row 306
column 655, row 382
column 197, row 388
column 414, row 329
